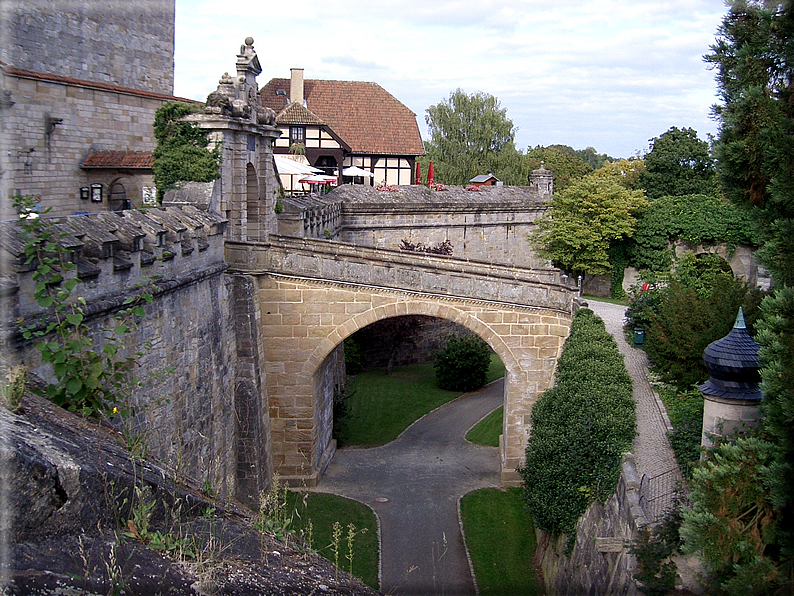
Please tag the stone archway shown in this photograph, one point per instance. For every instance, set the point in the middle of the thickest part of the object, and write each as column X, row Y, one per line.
column 306, row 320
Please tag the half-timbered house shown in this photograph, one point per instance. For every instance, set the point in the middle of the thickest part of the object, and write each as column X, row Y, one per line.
column 339, row 124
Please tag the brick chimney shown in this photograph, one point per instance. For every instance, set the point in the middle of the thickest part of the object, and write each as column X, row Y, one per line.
column 296, row 85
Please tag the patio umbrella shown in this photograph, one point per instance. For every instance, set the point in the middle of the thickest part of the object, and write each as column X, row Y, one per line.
column 318, row 179
column 418, row 173
column 284, row 165
column 430, row 174
column 356, row 171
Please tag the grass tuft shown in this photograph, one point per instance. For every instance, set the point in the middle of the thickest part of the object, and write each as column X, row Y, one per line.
column 315, row 515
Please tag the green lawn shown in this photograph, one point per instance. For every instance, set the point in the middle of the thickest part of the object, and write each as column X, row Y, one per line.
column 486, row 432
column 382, row 406
column 501, row 540
column 325, row 509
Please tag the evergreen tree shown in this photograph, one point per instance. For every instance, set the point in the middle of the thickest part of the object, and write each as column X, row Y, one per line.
column 754, row 60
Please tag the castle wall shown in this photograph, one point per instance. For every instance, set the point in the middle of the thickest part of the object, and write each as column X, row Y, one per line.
column 491, row 225
column 200, row 355
column 116, row 42
column 93, row 118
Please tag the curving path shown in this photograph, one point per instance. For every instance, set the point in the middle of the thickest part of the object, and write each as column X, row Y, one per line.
column 413, row 484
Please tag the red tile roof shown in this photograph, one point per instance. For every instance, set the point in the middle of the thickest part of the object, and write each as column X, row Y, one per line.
column 365, row 116
column 295, row 113
column 127, row 160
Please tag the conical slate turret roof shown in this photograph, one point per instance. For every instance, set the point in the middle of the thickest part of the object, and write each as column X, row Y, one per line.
column 733, row 365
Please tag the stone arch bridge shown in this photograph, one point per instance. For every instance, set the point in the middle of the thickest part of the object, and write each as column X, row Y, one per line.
column 312, row 294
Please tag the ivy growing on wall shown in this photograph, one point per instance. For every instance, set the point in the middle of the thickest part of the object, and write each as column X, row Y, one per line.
column 694, row 219
column 580, row 429
column 182, row 152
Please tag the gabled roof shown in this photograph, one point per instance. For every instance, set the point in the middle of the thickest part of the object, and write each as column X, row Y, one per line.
column 365, row 116
column 295, row 113
column 127, row 160
column 484, row 178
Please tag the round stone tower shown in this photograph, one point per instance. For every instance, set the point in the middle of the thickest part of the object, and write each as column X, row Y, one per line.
column 731, row 394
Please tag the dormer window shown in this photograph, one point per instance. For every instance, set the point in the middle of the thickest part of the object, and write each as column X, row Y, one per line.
column 297, row 134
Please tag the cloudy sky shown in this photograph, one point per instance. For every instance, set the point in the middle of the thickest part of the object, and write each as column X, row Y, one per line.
column 609, row 74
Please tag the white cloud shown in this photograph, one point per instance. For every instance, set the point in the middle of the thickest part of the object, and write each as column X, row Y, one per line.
column 609, row 74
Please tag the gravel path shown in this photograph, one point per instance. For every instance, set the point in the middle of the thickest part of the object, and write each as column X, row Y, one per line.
column 651, row 447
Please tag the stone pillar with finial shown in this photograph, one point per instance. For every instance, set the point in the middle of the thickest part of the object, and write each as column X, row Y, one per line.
column 732, row 394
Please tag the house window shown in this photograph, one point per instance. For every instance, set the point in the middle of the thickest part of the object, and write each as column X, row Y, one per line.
column 297, row 134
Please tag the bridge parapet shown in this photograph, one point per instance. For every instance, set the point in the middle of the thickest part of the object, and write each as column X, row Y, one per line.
column 394, row 269
column 310, row 217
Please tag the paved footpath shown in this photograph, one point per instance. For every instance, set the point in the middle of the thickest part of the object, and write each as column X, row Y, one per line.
column 414, row 483
column 651, row 447
column 422, row 473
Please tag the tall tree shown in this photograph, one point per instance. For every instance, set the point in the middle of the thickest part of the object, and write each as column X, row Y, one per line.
column 562, row 161
column 754, row 59
column 583, row 221
column 470, row 135
column 678, row 163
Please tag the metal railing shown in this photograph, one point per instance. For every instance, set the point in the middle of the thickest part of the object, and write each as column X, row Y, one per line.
column 658, row 494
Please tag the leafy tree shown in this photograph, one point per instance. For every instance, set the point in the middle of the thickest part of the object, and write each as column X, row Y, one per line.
column 470, row 135
column 625, row 172
column 754, row 59
column 181, row 153
column 678, row 163
column 565, row 166
column 592, row 158
column 583, row 221
column 463, row 364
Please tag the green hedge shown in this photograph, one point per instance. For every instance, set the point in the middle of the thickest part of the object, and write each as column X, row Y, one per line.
column 580, row 429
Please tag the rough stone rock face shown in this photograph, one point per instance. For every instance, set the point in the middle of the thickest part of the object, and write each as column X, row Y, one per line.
column 68, row 488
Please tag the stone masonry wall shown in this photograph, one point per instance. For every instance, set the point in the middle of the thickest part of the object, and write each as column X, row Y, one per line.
column 427, row 337
column 599, row 562
column 93, row 119
column 129, row 44
column 188, row 407
column 490, row 225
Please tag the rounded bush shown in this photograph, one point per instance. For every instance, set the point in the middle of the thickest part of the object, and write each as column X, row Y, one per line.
column 463, row 364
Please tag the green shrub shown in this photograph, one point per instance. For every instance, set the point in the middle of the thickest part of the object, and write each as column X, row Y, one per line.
column 463, row 364
column 686, row 311
column 685, row 409
column 580, row 429
column 654, row 549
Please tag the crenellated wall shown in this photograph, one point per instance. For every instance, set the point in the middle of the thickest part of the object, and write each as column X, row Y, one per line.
column 203, row 395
